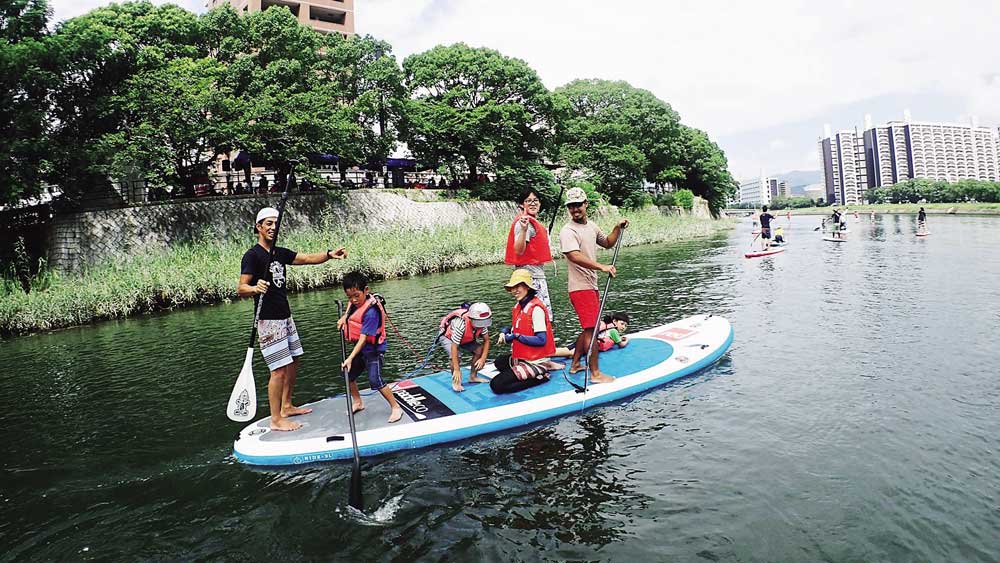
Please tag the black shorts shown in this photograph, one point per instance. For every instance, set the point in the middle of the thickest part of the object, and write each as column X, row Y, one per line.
column 765, row 232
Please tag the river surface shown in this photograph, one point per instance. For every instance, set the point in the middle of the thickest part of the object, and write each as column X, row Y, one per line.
column 855, row 418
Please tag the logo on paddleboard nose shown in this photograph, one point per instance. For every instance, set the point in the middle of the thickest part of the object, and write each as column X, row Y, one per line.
column 418, row 404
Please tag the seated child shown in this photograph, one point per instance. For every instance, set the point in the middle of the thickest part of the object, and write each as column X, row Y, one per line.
column 609, row 334
column 779, row 235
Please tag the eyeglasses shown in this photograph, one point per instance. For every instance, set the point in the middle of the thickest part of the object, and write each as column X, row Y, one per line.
column 531, row 201
column 574, row 205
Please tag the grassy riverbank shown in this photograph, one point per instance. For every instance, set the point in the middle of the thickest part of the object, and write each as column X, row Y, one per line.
column 910, row 208
column 207, row 273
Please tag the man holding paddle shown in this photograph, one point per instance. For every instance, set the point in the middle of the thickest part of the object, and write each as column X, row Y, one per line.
column 578, row 240
column 279, row 340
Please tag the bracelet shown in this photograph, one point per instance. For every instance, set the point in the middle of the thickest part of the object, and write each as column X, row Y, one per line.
column 328, row 251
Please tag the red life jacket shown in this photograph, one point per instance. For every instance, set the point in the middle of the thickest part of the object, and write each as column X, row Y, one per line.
column 356, row 317
column 471, row 333
column 536, row 251
column 521, row 321
column 604, row 342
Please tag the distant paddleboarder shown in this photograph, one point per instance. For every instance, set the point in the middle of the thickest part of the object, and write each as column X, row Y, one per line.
column 921, row 220
column 765, row 228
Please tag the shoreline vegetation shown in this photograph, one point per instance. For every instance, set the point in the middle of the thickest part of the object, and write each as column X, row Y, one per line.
column 963, row 208
column 205, row 272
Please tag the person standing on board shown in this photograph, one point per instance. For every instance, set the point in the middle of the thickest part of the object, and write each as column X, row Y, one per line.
column 528, row 244
column 921, row 220
column 873, row 215
column 578, row 240
column 836, row 224
column 276, row 333
column 765, row 228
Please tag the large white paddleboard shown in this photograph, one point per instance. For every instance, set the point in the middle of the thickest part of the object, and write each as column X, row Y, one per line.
column 435, row 414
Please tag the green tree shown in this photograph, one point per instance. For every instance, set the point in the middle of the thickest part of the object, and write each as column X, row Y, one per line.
column 706, row 169
column 23, row 89
column 684, row 198
column 474, row 110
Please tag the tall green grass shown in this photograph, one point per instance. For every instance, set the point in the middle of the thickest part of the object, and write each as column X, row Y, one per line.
column 207, row 271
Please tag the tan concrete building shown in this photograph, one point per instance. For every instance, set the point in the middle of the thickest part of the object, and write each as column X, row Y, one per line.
column 326, row 16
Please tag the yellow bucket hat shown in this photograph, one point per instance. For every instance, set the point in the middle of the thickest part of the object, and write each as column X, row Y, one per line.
column 519, row 276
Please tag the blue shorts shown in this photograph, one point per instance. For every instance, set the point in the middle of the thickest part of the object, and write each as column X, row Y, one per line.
column 371, row 362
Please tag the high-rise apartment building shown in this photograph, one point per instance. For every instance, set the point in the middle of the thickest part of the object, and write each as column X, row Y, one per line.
column 903, row 150
column 758, row 191
column 844, row 168
column 326, row 16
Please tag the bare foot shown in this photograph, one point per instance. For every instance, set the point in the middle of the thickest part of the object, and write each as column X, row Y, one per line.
column 456, row 385
column 552, row 366
column 294, row 411
column 598, row 377
column 285, row 425
column 357, row 407
column 475, row 379
column 576, row 367
column 396, row 414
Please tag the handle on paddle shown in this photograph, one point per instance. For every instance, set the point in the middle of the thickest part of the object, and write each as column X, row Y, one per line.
column 354, row 496
column 600, row 310
column 555, row 208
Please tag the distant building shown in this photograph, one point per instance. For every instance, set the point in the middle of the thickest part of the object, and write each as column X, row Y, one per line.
column 326, row 16
column 756, row 191
column 902, row 150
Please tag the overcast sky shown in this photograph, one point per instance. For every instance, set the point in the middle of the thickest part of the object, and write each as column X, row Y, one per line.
column 761, row 77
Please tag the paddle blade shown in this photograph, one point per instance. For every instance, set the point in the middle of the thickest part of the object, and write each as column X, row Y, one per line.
column 354, row 497
column 242, row 405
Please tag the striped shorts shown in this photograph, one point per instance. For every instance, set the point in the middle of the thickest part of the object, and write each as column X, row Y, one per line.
column 279, row 342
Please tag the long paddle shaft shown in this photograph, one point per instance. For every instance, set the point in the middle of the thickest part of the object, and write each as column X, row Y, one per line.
column 555, row 208
column 354, row 496
column 242, row 404
column 600, row 311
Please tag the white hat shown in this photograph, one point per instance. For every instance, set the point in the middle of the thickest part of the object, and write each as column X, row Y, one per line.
column 266, row 213
column 576, row 195
column 480, row 315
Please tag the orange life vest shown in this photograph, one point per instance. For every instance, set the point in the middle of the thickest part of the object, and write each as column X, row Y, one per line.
column 356, row 317
column 521, row 321
column 471, row 333
column 536, row 251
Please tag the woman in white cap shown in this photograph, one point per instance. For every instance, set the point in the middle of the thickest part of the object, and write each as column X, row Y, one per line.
column 528, row 245
column 276, row 333
column 530, row 338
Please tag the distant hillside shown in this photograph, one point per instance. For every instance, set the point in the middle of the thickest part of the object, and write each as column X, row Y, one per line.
column 798, row 179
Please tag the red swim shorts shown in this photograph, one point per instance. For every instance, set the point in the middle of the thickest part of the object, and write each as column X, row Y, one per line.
column 587, row 304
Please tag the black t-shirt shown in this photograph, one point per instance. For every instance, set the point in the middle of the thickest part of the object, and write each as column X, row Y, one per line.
column 765, row 220
column 921, row 215
column 255, row 263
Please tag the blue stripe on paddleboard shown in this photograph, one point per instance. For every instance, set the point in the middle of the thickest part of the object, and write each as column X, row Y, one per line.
column 481, row 429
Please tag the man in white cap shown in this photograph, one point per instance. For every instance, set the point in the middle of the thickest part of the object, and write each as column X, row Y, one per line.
column 279, row 341
column 467, row 329
column 578, row 240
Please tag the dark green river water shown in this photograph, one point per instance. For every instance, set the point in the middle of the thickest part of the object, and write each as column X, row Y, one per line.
column 855, row 418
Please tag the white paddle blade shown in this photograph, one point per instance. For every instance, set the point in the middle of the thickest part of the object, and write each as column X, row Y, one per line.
column 243, row 400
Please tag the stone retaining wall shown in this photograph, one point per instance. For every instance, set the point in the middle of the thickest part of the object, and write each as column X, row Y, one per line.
column 82, row 239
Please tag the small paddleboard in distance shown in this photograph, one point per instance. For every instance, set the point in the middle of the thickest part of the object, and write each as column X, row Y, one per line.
column 759, row 253
column 832, row 239
column 922, row 234
column 434, row 414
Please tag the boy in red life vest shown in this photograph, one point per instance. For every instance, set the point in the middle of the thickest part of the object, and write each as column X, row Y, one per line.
column 466, row 329
column 364, row 324
column 530, row 338
column 528, row 245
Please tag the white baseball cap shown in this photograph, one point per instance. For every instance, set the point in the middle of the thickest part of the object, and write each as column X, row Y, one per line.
column 266, row 213
column 480, row 315
column 575, row 195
